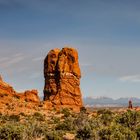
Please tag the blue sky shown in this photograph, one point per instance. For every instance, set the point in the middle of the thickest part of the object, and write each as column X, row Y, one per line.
column 105, row 33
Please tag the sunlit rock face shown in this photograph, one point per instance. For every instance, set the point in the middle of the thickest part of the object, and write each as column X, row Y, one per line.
column 12, row 102
column 62, row 79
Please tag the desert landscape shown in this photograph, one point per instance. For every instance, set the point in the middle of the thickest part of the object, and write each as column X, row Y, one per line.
column 61, row 114
column 69, row 70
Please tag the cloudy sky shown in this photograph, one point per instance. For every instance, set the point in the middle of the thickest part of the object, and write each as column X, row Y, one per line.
column 106, row 34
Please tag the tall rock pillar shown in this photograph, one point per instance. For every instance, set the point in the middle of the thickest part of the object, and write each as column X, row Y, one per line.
column 62, row 79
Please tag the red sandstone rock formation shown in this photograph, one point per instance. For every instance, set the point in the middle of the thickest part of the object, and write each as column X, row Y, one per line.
column 11, row 101
column 62, row 79
column 5, row 88
column 29, row 96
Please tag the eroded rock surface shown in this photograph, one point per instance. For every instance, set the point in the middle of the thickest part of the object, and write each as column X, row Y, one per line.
column 62, row 79
column 14, row 102
column 5, row 88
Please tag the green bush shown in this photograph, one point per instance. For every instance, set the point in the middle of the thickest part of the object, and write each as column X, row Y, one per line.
column 129, row 119
column 34, row 130
column 105, row 133
column 85, row 133
column 14, row 118
column 105, row 126
column 11, row 132
column 38, row 116
column 53, row 135
column 66, row 112
column 137, row 131
column 66, row 125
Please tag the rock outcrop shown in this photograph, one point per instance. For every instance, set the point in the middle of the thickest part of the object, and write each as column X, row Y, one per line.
column 5, row 88
column 29, row 96
column 14, row 102
column 62, row 79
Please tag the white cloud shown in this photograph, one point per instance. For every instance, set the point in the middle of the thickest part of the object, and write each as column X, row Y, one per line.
column 130, row 78
column 11, row 60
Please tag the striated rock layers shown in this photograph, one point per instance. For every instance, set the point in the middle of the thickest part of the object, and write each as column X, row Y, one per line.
column 62, row 79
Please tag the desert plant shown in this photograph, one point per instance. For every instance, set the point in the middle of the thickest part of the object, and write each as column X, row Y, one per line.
column 38, row 116
column 66, row 125
column 80, row 120
column 34, row 130
column 66, row 112
column 54, row 135
column 137, row 131
column 104, row 133
column 83, row 110
column 14, row 118
column 85, row 133
column 11, row 132
column 129, row 119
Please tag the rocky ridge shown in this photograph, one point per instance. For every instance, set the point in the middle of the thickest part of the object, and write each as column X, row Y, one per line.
column 14, row 102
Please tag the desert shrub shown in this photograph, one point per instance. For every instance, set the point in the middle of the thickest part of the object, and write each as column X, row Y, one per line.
column 55, row 119
column 11, row 132
column 105, row 116
column 66, row 125
column 106, row 119
column 80, row 120
column 83, row 110
column 116, row 132
column 14, row 118
column 104, row 133
column 137, row 131
column 34, row 130
column 38, row 116
column 85, row 133
column 66, row 112
column 4, row 118
column 129, row 119
column 105, row 126
column 94, row 123
column 54, row 135
column 123, row 132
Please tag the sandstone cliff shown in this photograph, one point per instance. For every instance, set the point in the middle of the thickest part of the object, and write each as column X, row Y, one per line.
column 62, row 79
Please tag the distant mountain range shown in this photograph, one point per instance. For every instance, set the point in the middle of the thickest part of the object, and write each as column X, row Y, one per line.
column 106, row 101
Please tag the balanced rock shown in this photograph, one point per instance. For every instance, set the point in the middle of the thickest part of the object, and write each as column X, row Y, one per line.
column 62, row 79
